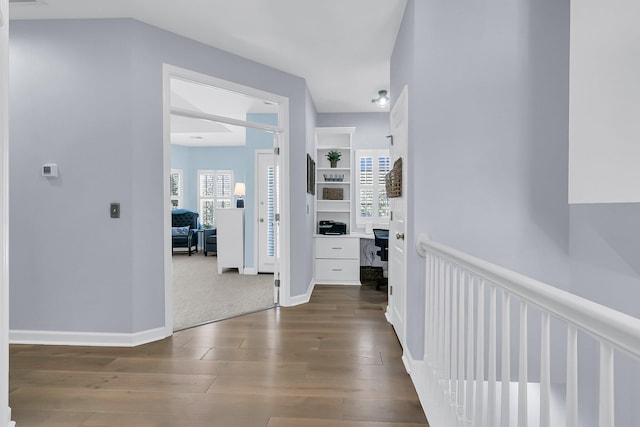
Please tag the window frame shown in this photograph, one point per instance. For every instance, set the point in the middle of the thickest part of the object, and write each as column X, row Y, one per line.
column 216, row 197
column 180, row 196
column 376, row 186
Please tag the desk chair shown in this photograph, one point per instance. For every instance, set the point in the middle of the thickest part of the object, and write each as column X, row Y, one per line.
column 381, row 240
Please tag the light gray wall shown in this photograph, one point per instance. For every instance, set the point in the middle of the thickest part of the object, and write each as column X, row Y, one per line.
column 486, row 150
column 87, row 94
column 309, row 227
column 371, row 128
column 72, row 266
column 488, row 144
column 605, row 267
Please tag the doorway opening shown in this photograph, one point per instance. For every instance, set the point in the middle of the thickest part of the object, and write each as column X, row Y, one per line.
column 214, row 133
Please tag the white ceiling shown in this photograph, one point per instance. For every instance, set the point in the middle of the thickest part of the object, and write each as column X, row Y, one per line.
column 341, row 47
column 191, row 96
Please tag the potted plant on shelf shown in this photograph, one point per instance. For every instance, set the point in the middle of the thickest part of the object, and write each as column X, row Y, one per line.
column 333, row 156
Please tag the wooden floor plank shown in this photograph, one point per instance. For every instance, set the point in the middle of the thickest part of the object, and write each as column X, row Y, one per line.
column 319, row 422
column 116, row 381
column 333, row 362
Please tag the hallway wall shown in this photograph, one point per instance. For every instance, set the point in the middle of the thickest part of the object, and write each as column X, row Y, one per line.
column 488, row 145
column 87, row 94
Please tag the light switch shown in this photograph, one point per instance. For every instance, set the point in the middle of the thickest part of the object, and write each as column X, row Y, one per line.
column 50, row 170
column 115, row 210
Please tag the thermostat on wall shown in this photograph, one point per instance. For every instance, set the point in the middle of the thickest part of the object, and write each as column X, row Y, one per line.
column 50, row 170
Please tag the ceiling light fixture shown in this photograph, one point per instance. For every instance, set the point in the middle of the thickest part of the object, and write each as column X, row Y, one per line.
column 382, row 100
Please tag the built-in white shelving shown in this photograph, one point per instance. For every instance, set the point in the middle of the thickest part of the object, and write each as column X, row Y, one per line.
column 339, row 177
column 337, row 258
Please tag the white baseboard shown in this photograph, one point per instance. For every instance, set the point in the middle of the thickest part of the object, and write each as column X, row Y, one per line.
column 415, row 369
column 302, row 299
column 11, row 423
column 252, row 271
column 97, row 339
column 408, row 364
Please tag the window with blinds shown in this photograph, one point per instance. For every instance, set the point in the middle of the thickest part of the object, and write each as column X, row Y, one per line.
column 175, row 188
column 271, row 204
column 372, row 203
column 215, row 191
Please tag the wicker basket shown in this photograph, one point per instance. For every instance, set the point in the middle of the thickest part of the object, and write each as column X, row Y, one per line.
column 332, row 194
column 393, row 180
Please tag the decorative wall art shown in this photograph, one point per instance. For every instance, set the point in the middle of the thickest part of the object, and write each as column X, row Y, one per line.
column 311, row 175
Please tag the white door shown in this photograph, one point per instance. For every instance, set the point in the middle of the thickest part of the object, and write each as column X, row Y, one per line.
column 396, row 309
column 266, row 185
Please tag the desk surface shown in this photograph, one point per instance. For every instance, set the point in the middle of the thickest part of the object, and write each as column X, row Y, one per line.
column 358, row 235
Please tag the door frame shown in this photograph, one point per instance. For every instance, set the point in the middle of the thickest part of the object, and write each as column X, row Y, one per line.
column 169, row 71
column 401, row 102
column 5, row 411
column 256, row 196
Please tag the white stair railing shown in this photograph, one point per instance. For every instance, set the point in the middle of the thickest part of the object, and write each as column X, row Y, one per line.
column 461, row 298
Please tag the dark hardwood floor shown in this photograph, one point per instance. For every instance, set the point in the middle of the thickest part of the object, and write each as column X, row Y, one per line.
column 334, row 362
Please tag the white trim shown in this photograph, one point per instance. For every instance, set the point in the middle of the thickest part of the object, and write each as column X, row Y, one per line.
column 376, row 220
column 5, row 411
column 221, row 119
column 283, row 264
column 166, row 168
column 250, row 271
column 180, row 195
column 415, row 369
column 282, row 133
column 256, row 201
column 98, row 339
column 301, row 299
column 216, row 198
column 402, row 102
column 601, row 322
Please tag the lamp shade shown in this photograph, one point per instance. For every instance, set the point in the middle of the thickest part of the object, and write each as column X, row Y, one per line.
column 239, row 189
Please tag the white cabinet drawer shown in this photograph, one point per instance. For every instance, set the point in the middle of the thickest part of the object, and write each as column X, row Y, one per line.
column 338, row 247
column 337, row 270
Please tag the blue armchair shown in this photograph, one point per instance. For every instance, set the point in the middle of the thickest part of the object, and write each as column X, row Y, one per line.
column 184, row 229
column 210, row 243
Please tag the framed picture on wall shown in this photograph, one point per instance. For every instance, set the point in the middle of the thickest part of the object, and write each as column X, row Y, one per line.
column 311, row 175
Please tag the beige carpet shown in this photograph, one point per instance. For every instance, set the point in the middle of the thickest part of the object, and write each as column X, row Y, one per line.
column 202, row 295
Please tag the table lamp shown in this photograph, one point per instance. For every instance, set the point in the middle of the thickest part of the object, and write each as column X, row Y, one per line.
column 240, row 190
